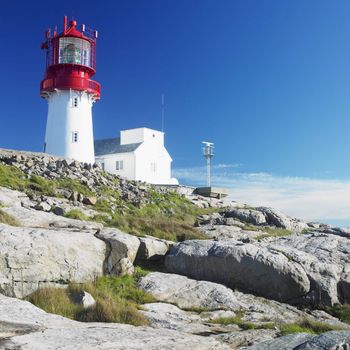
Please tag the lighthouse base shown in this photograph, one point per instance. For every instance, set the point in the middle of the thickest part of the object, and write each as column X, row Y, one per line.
column 69, row 131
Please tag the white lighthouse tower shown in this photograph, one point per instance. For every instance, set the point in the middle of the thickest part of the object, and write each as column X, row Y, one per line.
column 70, row 92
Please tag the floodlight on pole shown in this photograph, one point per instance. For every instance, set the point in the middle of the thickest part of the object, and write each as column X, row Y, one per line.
column 208, row 153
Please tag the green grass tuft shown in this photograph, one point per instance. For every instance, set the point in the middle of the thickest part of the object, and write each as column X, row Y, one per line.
column 8, row 219
column 307, row 326
column 341, row 311
column 76, row 214
column 274, row 232
column 241, row 323
column 117, row 300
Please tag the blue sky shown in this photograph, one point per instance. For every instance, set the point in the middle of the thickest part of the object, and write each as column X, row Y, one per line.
column 268, row 81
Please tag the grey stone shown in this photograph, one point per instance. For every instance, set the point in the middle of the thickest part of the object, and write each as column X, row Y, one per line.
column 44, row 206
column 244, row 266
column 122, row 245
column 90, row 200
column 58, row 211
column 188, row 293
column 250, row 216
column 84, row 298
column 288, row 342
column 35, row 258
column 152, row 248
column 34, row 329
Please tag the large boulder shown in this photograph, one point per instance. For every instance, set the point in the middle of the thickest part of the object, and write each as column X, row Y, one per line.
column 34, row 258
column 250, row 216
column 334, row 340
column 152, row 248
column 203, row 295
column 122, row 247
column 245, row 266
column 277, row 218
column 325, row 258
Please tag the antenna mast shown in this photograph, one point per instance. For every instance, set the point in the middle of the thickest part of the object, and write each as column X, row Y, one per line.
column 162, row 112
column 208, row 152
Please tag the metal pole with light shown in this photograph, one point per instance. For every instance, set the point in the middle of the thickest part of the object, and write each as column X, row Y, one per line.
column 208, row 152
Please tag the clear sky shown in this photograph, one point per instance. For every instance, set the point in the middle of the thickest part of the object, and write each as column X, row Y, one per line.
column 267, row 81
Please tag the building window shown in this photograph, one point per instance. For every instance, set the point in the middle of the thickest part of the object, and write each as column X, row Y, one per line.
column 75, row 136
column 119, row 165
column 153, row 167
column 75, row 102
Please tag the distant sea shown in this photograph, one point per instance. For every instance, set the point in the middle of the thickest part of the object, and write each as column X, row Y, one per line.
column 336, row 222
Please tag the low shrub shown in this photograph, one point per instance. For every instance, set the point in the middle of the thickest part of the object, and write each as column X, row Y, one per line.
column 341, row 311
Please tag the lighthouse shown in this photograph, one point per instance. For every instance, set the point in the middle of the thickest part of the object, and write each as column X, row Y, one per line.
column 70, row 91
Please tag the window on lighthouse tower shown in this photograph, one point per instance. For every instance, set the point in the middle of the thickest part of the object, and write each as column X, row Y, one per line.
column 74, row 50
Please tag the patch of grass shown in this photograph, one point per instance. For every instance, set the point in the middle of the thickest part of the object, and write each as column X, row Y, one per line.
column 157, row 226
column 55, row 301
column 13, row 178
column 307, row 326
column 274, row 232
column 72, row 185
column 103, row 205
column 76, row 214
column 250, row 228
column 341, row 311
column 242, row 324
column 117, row 300
column 197, row 309
column 8, row 219
column 41, row 185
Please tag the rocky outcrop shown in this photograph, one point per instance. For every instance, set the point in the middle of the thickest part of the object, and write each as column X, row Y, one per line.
column 203, row 295
column 33, row 258
column 122, row 252
column 245, row 266
column 25, row 327
column 250, row 216
column 325, row 258
column 334, row 340
column 309, row 268
column 153, row 249
column 162, row 315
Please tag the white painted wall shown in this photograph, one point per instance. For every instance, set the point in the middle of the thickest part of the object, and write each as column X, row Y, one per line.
column 63, row 119
column 153, row 163
column 150, row 162
column 109, row 161
column 141, row 135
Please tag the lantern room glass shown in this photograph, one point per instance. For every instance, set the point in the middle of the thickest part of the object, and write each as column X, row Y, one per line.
column 75, row 51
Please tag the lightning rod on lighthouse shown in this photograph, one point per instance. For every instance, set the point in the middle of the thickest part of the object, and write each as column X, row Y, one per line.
column 70, row 91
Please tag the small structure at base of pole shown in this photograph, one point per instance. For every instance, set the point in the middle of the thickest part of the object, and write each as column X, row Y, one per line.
column 208, row 191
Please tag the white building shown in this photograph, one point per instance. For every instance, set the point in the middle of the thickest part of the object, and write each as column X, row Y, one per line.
column 138, row 154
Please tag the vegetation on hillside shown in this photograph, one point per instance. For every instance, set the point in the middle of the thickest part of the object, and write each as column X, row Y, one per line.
column 244, row 325
column 117, row 300
column 341, row 311
column 167, row 215
column 307, row 325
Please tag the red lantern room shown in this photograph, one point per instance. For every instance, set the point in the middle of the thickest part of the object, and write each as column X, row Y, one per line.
column 70, row 60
